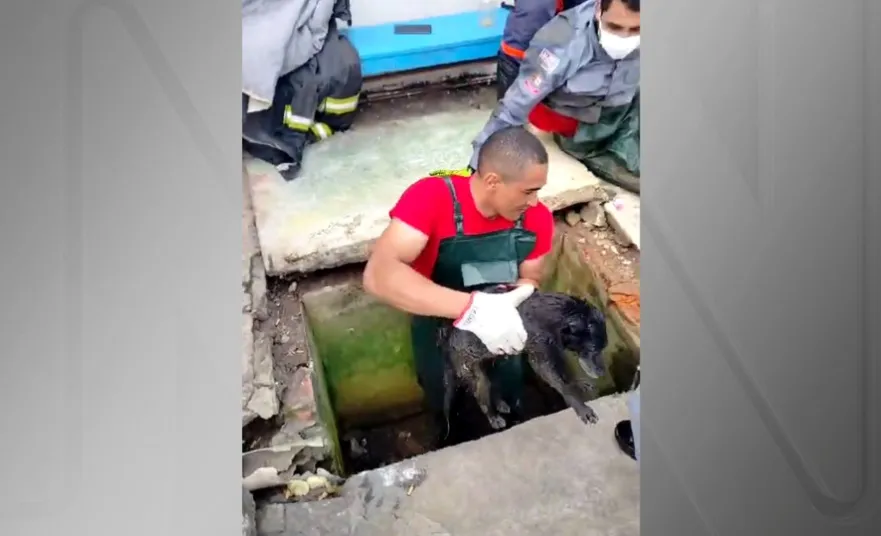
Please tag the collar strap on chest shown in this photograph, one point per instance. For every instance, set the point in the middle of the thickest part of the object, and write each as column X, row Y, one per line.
column 457, row 209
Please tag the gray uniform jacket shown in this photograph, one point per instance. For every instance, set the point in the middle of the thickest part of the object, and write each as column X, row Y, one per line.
column 565, row 68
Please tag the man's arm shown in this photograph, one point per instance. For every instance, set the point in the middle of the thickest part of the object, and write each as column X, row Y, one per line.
column 389, row 277
column 532, row 271
column 548, row 63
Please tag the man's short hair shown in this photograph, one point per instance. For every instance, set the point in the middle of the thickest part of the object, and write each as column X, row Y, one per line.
column 509, row 151
column 632, row 5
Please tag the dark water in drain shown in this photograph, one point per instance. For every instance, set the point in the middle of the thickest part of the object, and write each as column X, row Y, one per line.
column 378, row 446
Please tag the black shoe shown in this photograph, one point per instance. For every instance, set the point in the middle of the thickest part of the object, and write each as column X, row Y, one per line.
column 624, row 438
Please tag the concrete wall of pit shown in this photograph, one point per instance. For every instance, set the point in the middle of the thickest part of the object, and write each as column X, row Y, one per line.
column 362, row 357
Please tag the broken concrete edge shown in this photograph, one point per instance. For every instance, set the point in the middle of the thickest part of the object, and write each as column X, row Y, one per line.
column 339, row 249
column 624, row 217
column 259, row 393
column 420, row 487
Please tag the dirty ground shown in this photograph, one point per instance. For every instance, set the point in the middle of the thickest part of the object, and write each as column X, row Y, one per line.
column 551, row 475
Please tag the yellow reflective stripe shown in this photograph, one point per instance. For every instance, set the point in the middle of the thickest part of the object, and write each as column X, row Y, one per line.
column 294, row 121
column 321, row 130
column 463, row 172
column 339, row 106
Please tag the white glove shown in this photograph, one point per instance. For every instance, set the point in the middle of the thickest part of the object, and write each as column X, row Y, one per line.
column 495, row 320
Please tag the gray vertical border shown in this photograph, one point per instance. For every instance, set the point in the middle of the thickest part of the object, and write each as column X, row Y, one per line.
column 720, row 453
column 685, row 339
column 50, row 152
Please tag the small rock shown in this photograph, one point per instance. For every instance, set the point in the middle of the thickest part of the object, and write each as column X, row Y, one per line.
column 293, row 287
column 573, row 218
column 316, row 482
column 593, row 215
column 285, row 339
column 297, row 488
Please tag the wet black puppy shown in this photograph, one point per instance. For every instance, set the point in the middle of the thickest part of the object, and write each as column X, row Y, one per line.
column 554, row 322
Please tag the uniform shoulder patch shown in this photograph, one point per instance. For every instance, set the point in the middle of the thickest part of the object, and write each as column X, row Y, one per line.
column 548, row 61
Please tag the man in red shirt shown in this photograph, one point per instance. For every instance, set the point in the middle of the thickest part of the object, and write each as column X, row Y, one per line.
column 450, row 237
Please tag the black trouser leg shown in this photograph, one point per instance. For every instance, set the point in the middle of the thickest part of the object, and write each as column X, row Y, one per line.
column 507, row 69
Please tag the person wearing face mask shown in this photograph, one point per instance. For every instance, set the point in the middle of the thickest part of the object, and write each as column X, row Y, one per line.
column 579, row 79
column 526, row 18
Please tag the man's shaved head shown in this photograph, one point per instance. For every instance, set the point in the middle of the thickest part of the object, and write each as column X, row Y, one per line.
column 512, row 166
column 509, row 152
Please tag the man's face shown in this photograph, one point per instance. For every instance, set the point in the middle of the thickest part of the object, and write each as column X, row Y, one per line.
column 510, row 198
column 619, row 19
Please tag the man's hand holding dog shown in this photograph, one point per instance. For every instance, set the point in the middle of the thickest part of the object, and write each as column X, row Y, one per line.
column 495, row 320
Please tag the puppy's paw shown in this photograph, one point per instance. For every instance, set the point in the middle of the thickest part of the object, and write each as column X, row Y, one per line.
column 503, row 407
column 497, row 422
column 586, row 414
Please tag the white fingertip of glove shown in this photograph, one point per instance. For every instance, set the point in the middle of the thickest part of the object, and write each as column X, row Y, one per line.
column 495, row 320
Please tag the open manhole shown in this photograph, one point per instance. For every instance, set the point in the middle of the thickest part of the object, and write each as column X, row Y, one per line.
column 369, row 402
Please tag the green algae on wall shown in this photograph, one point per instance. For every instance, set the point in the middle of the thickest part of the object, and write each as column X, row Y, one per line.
column 326, row 414
column 364, row 350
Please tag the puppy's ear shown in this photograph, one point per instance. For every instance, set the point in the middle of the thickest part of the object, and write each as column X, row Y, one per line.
column 596, row 315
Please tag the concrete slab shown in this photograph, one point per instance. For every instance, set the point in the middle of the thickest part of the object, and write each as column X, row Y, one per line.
column 551, row 475
column 328, row 216
column 623, row 214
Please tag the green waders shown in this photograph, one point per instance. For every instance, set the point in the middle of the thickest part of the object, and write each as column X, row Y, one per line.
column 610, row 147
column 467, row 263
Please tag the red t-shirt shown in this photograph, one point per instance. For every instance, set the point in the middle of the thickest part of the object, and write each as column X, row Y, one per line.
column 428, row 206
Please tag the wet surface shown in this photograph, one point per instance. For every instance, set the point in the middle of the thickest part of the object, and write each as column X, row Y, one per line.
column 379, row 446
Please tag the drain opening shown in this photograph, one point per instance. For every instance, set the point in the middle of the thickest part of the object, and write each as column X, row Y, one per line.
column 386, row 443
column 362, row 371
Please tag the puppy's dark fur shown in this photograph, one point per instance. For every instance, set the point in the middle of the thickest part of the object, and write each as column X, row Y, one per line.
column 554, row 322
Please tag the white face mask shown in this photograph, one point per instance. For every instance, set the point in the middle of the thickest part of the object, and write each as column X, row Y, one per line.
column 617, row 47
